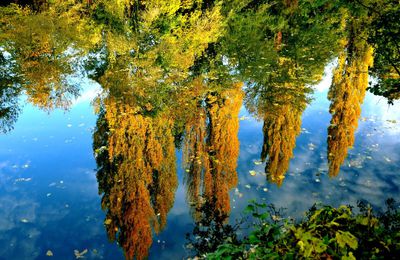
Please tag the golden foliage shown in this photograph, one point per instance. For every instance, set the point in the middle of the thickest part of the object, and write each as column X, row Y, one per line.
column 347, row 92
column 40, row 44
column 282, row 125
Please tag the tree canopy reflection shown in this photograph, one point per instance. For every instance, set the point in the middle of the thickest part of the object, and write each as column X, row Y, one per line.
column 284, row 58
column 135, row 155
column 347, row 93
column 211, row 150
column 172, row 76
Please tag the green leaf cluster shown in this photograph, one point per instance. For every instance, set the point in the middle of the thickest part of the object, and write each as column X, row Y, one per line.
column 325, row 233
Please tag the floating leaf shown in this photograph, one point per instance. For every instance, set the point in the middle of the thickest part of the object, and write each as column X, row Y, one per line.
column 253, row 173
column 23, row 179
column 49, row 253
column 80, row 254
column 387, row 159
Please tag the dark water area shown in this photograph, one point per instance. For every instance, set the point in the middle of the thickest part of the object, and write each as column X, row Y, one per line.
column 118, row 122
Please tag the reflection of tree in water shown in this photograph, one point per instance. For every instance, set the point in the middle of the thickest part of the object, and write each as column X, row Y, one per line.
column 383, row 35
column 40, row 48
column 9, row 93
column 211, row 150
column 144, row 67
column 150, row 49
column 347, row 92
column 9, row 109
column 280, row 104
column 282, row 125
column 289, row 49
column 280, row 108
column 210, row 231
column 135, row 155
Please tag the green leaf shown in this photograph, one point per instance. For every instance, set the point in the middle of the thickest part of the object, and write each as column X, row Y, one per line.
column 253, row 239
column 261, row 205
column 264, row 216
column 346, row 238
column 363, row 220
column 250, row 208
column 349, row 257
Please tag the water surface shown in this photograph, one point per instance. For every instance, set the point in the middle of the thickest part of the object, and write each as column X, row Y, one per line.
column 117, row 129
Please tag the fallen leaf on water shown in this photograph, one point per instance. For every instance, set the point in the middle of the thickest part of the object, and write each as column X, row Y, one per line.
column 24, row 220
column 275, row 218
column 49, row 253
column 80, row 254
column 258, row 162
column 387, row 159
column 253, row 173
column 22, row 179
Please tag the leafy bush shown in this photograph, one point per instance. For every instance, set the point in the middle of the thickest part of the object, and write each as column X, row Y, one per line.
column 325, row 233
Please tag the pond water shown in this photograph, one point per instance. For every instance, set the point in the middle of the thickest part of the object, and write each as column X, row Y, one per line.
column 111, row 144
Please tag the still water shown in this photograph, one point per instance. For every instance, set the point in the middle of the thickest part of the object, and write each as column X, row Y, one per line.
column 120, row 123
column 49, row 192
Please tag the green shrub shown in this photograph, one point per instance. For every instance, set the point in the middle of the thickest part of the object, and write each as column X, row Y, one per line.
column 325, row 233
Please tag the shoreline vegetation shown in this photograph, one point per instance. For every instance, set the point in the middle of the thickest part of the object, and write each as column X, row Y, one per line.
column 325, row 232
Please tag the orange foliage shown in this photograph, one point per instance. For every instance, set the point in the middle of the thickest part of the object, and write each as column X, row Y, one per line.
column 212, row 149
column 138, row 175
